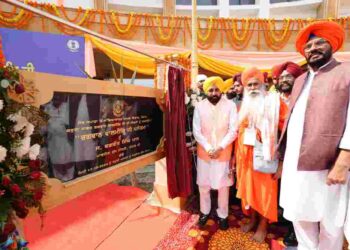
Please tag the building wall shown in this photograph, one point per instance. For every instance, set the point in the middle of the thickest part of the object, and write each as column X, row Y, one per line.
column 86, row 4
column 344, row 8
column 277, row 9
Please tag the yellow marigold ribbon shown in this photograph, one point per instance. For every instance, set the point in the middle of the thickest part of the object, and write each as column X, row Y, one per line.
column 16, row 18
column 117, row 23
column 210, row 26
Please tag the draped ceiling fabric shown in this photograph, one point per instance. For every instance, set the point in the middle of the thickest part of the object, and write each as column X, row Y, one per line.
column 222, row 62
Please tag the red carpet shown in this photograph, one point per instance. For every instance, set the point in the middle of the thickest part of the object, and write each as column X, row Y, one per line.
column 109, row 218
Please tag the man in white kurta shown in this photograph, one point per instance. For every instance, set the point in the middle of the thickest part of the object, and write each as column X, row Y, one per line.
column 315, row 206
column 214, row 128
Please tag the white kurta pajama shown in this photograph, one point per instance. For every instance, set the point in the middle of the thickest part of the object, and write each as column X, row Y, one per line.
column 214, row 174
column 305, row 197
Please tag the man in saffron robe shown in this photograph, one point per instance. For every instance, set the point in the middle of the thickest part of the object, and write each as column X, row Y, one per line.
column 317, row 136
column 260, row 116
column 214, row 128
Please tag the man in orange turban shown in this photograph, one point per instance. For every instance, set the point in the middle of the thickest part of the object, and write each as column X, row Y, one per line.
column 332, row 32
column 314, row 184
column 260, row 116
column 286, row 73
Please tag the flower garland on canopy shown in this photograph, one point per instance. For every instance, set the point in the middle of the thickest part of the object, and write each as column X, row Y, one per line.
column 126, row 31
column 274, row 38
column 205, row 41
column 165, row 35
column 21, row 188
column 237, row 32
column 238, row 39
column 86, row 20
column 14, row 19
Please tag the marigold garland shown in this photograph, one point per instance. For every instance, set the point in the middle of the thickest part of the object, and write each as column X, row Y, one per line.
column 208, row 43
column 273, row 31
column 238, row 32
column 157, row 29
column 89, row 16
column 171, row 26
column 80, row 23
column 275, row 44
column 244, row 31
column 238, row 43
column 11, row 13
column 2, row 56
column 208, row 28
column 16, row 18
column 117, row 24
column 75, row 19
column 114, row 26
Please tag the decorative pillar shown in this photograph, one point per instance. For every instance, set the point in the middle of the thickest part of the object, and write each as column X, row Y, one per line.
column 264, row 8
column 169, row 7
column 194, row 54
column 330, row 8
column 224, row 8
column 101, row 4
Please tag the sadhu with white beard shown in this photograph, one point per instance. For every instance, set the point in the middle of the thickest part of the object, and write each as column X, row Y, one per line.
column 261, row 116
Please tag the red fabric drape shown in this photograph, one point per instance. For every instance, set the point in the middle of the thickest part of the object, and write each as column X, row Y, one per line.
column 178, row 163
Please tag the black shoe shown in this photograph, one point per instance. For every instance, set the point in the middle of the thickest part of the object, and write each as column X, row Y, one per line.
column 203, row 218
column 223, row 224
column 290, row 240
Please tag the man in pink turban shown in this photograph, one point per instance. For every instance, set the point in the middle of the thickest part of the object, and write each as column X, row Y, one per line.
column 286, row 73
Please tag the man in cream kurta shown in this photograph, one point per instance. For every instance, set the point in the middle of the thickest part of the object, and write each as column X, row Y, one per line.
column 214, row 128
column 300, row 187
column 316, row 209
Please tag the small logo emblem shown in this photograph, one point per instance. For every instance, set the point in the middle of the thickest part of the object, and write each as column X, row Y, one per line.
column 73, row 45
column 118, row 109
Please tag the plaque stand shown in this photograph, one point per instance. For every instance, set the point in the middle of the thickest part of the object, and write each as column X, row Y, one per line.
column 159, row 196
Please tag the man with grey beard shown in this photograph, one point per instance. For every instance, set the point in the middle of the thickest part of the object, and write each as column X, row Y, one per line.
column 260, row 117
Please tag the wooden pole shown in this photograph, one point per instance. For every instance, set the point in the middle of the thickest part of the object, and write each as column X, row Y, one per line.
column 194, row 54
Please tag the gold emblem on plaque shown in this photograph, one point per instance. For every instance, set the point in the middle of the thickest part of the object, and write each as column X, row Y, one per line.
column 118, row 108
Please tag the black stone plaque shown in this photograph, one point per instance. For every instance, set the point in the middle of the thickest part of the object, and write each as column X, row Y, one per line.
column 90, row 132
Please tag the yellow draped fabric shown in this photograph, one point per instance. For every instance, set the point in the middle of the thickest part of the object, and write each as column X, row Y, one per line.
column 218, row 66
column 130, row 60
column 146, row 65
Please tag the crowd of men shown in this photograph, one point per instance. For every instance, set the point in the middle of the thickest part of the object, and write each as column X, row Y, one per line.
column 287, row 145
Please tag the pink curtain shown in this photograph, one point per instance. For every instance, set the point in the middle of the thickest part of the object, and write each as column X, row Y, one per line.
column 177, row 158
